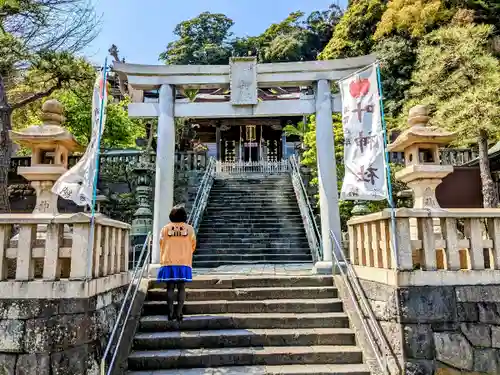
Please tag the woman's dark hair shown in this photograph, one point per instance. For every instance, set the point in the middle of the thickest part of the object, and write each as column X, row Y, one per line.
column 178, row 214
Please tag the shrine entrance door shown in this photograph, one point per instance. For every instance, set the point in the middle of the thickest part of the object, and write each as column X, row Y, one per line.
column 251, row 144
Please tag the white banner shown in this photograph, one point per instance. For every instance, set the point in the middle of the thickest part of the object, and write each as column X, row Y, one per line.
column 77, row 184
column 364, row 152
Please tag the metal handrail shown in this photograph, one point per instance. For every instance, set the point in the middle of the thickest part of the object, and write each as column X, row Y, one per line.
column 381, row 354
column 201, row 199
column 137, row 276
column 309, row 214
column 198, row 208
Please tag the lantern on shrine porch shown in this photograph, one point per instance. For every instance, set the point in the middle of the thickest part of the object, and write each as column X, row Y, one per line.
column 420, row 144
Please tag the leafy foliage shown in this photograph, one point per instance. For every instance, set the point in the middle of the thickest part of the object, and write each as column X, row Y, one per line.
column 459, row 78
column 120, row 130
column 202, row 40
column 457, row 75
column 353, row 36
column 37, row 36
column 397, row 56
column 207, row 39
column 121, row 203
column 412, row 18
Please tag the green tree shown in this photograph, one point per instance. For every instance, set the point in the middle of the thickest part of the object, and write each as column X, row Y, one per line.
column 310, row 160
column 459, row 78
column 321, row 24
column 414, row 19
column 37, row 42
column 397, row 56
column 120, row 130
column 202, row 40
column 353, row 35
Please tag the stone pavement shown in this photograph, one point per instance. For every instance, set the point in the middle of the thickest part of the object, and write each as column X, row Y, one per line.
column 292, row 269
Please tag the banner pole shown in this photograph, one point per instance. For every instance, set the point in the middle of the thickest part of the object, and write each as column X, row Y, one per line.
column 90, row 246
column 387, row 170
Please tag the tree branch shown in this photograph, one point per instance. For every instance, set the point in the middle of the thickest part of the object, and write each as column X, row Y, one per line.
column 37, row 96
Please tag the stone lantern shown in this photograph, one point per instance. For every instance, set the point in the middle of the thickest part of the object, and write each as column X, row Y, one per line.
column 50, row 146
column 420, row 144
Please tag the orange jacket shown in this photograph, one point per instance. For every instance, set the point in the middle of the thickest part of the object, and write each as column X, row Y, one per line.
column 177, row 245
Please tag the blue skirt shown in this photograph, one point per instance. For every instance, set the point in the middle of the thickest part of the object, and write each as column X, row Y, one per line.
column 175, row 273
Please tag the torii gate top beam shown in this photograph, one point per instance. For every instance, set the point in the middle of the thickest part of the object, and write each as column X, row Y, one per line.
column 293, row 74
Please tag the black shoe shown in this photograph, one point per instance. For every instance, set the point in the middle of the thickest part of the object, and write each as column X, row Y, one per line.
column 178, row 315
column 171, row 314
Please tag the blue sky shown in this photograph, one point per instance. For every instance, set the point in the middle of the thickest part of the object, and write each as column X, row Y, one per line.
column 142, row 29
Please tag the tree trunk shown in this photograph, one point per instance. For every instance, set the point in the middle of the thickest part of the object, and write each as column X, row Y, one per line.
column 5, row 147
column 490, row 195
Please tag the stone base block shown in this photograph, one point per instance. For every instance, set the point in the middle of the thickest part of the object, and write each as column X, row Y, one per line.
column 63, row 336
column 323, row 268
column 152, row 273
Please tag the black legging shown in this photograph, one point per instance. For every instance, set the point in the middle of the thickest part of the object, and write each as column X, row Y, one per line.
column 181, row 297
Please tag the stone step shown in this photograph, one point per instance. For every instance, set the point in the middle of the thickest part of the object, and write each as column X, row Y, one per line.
column 159, row 323
column 229, row 219
column 231, row 225
column 235, row 207
column 253, row 195
column 213, row 218
column 277, row 183
column 219, row 263
column 246, row 321
column 262, row 306
column 277, row 254
column 239, row 294
column 251, row 199
column 244, row 192
column 231, row 249
column 208, row 238
column 269, row 205
column 316, row 369
column 252, row 226
column 284, row 187
column 242, row 338
column 262, row 233
column 238, row 214
column 265, row 212
column 270, row 355
column 264, row 248
column 229, row 282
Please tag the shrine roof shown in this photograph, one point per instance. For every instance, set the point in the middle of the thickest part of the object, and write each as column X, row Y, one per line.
column 224, row 94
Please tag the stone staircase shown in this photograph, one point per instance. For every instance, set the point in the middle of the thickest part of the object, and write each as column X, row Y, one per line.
column 251, row 221
column 248, row 325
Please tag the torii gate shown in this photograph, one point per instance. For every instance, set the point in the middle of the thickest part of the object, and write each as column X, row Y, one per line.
column 243, row 76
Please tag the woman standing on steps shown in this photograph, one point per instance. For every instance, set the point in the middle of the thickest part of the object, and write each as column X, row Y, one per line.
column 177, row 245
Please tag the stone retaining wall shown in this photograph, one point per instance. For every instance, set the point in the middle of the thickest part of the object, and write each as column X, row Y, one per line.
column 436, row 329
column 56, row 337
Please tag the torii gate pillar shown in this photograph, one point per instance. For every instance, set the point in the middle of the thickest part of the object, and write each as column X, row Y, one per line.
column 327, row 176
column 164, row 183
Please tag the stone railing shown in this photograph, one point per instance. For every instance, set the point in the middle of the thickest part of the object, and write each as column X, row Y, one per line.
column 446, row 240
column 59, row 250
column 184, row 161
column 436, row 297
